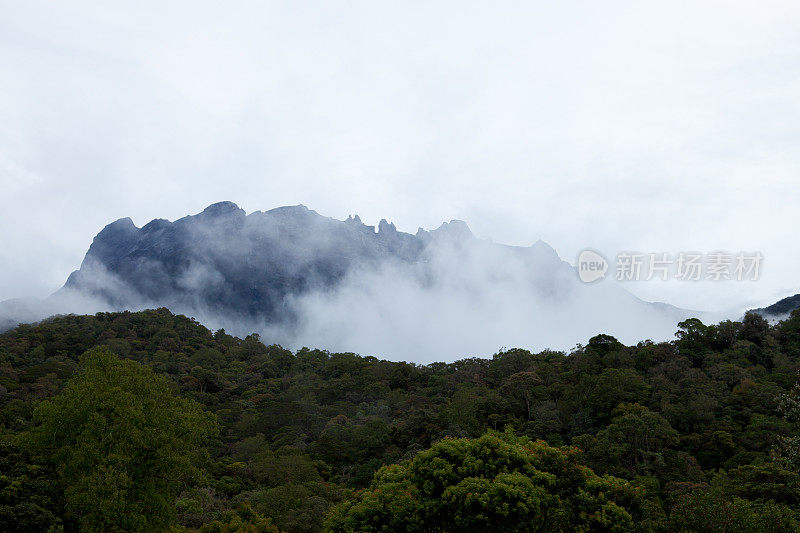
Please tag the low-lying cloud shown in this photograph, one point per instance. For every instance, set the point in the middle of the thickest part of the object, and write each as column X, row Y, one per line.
column 300, row 279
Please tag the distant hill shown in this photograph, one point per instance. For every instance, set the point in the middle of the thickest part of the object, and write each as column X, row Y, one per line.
column 781, row 308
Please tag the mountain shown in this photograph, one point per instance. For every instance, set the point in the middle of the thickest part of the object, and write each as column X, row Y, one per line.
column 241, row 264
column 780, row 309
column 306, row 279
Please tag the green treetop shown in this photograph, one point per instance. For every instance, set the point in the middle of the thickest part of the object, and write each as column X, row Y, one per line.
column 123, row 442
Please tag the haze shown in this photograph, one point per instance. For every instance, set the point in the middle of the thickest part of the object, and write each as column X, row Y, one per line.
column 659, row 127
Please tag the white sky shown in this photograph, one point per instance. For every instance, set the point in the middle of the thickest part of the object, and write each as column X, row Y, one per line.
column 651, row 126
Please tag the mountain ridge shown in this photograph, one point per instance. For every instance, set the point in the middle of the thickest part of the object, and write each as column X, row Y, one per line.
column 780, row 309
column 300, row 277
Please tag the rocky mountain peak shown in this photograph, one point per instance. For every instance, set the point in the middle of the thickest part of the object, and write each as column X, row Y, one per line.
column 222, row 209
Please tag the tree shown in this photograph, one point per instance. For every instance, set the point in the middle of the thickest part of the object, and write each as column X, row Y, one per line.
column 633, row 444
column 787, row 449
column 124, row 444
column 754, row 328
column 766, row 481
column 611, row 388
column 603, row 344
column 703, row 509
column 29, row 500
column 522, row 386
column 693, row 341
column 498, row 482
column 242, row 520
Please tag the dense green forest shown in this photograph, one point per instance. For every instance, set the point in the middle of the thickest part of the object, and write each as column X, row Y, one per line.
column 148, row 421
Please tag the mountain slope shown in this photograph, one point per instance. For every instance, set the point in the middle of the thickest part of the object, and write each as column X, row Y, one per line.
column 780, row 309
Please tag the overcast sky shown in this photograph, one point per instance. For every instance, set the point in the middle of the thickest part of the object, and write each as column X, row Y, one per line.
column 651, row 126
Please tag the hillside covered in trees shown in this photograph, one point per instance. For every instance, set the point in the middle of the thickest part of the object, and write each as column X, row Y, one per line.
column 148, row 421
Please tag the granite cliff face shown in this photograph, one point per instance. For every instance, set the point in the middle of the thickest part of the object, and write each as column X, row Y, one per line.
column 305, row 279
column 221, row 258
column 248, row 265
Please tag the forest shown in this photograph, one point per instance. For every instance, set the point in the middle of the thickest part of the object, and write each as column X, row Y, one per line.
column 148, row 421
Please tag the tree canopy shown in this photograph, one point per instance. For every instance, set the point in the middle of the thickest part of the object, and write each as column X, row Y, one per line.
column 148, row 420
column 497, row 482
column 123, row 443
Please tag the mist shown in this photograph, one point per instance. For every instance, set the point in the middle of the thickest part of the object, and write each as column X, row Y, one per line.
column 299, row 279
column 664, row 127
column 467, row 302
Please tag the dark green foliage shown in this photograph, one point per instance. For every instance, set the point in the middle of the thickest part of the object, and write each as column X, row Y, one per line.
column 243, row 520
column 498, row 482
column 122, row 442
column 706, row 426
column 29, row 501
column 636, row 443
column 702, row 508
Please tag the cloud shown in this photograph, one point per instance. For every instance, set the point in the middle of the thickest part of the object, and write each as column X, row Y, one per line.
column 662, row 127
column 469, row 301
column 301, row 279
